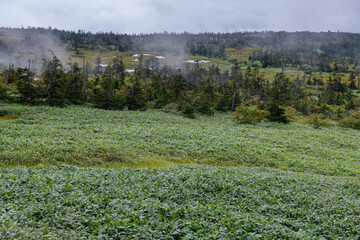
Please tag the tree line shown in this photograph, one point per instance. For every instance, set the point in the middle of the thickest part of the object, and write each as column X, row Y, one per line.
column 188, row 90
column 291, row 48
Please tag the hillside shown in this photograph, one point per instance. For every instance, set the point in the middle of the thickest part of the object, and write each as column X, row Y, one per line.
column 185, row 187
column 304, row 51
column 147, row 136
column 85, row 136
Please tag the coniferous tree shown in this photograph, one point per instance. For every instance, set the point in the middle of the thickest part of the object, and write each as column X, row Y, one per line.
column 29, row 93
column 276, row 113
column 75, row 91
column 352, row 84
column 134, row 99
column 55, row 80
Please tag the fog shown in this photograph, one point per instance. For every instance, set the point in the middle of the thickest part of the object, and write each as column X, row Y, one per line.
column 148, row 16
column 21, row 49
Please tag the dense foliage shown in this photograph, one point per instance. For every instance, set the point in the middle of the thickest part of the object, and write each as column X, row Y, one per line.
column 91, row 137
column 175, row 203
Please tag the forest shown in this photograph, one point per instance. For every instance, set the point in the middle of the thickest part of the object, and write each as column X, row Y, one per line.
column 325, row 88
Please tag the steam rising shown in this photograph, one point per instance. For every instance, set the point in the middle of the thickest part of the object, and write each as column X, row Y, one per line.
column 173, row 47
column 22, row 48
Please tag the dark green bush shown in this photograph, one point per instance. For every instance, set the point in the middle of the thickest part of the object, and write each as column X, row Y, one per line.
column 189, row 111
column 205, row 108
column 277, row 114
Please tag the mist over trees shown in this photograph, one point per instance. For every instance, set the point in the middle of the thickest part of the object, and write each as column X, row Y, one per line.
column 305, row 45
column 190, row 89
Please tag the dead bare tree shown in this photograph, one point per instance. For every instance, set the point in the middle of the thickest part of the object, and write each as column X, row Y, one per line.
column 85, row 76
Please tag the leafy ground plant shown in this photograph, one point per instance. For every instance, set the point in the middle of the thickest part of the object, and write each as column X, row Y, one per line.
column 85, row 136
column 189, row 202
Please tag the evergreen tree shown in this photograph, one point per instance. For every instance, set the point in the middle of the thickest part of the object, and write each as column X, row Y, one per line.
column 352, row 84
column 75, row 88
column 55, row 80
column 134, row 99
column 29, row 93
column 276, row 113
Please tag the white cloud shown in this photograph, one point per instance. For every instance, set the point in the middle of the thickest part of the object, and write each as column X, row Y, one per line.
column 137, row 16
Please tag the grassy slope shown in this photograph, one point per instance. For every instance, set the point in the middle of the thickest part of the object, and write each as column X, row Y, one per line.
column 84, row 136
column 192, row 202
column 176, row 203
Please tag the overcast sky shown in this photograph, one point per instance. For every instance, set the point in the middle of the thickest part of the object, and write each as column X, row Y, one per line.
column 147, row 16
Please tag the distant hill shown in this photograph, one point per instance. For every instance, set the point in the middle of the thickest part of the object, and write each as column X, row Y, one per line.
column 288, row 48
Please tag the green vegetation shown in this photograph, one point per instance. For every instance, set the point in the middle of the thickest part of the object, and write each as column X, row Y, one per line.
column 180, row 202
column 349, row 122
column 86, row 136
column 175, row 203
column 317, row 120
column 73, row 181
column 265, row 70
column 245, row 115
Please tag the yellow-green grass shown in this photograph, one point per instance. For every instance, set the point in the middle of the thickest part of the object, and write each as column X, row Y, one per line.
column 240, row 54
column 6, row 118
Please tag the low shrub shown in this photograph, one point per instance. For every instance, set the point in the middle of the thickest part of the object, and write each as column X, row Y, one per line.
column 151, row 104
column 317, row 120
column 245, row 115
column 292, row 114
column 3, row 113
column 349, row 122
column 171, row 107
column 205, row 109
column 189, row 111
